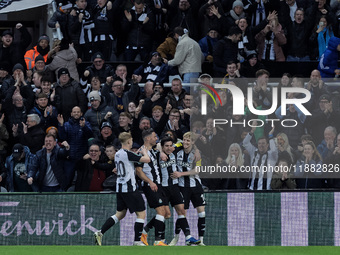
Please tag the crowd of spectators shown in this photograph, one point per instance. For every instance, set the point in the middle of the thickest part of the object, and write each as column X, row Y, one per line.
column 59, row 123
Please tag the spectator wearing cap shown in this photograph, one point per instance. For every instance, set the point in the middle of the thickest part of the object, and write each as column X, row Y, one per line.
column 251, row 65
column 40, row 64
column 76, row 131
column 100, row 112
column 153, row 69
column 270, row 41
column 47, row 113
column 323, row 116
column 18, row 165
column 68, row 94
column 19, row 99
column 11, row 51
column 119, row 99
column 18, row 80
column 158, row 98
column 98, row 68
column 42, row 48
column 207, row 44
column 65, row 57
column 235, row 14
column 211, row 16
column 139, row 25
column 106, row 137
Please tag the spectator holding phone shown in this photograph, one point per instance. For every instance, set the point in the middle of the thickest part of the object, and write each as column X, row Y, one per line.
column 76, row 131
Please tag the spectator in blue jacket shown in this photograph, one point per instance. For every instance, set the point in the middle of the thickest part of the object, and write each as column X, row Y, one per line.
column 76, row 131
column 207, row 44
column 18, row 165
column 328, row 65
column 326, row 147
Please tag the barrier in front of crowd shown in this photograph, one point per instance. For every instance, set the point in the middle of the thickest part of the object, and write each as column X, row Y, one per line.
column 232, row 218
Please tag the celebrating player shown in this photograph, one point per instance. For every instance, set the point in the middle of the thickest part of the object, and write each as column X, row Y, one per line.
column 172, row 192
column 190, row 185
column 127, row 195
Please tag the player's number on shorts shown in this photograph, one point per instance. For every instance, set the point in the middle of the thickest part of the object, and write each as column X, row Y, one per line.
column 121, row 169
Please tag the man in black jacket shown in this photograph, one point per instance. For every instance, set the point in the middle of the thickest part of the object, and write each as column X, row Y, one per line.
column 226, row 50
column 139, row 24
column 105, row 30
column 98, row 68
column 68, row 94
column 32, row 135
column 13, row 52
column 298, row 32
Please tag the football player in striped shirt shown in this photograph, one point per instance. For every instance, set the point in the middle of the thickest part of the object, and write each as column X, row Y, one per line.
column 127, row 195
column 190, row 184
column 155, row 198
column 171, row 190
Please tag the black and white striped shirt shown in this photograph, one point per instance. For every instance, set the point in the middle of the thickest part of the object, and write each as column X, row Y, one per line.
column 124, row 160
column 151, row 169
column 167, row 168
column 186, row 162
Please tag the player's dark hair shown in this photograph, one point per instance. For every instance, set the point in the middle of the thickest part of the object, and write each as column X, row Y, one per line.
column 147, row 133
column 165, row 140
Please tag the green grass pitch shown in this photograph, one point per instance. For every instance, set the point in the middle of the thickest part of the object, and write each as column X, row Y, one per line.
column 134, row 250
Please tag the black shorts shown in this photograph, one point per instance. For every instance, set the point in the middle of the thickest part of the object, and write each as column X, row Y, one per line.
column 195, row 195
column 130, row 200
column 155, row 199
column 173, row 195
